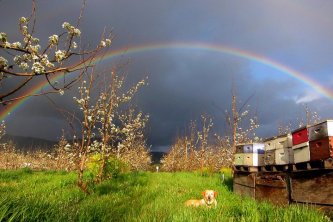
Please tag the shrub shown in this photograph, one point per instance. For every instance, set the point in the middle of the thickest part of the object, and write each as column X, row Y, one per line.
column 113, row 166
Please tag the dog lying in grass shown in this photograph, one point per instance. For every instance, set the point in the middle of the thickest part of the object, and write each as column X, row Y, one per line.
column 209, row 200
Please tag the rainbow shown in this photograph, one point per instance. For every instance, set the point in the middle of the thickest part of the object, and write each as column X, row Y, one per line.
column 9, row 109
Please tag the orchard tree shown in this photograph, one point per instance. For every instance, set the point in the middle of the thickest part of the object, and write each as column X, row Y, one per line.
column 241, row 124
column 2, row 129
column 99, row 109
column 26, row 60
column 308, row 117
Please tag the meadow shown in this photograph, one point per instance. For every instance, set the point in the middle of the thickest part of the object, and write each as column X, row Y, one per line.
column 27, row 195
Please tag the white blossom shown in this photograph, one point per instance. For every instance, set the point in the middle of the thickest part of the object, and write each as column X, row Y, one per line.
column 74, row 45
column 37, row 67
column 108, row 42
column 25, row 31
column 53, row 39
column 71, row 29
column 102, row 44
column 34, row 48
column 16, row 45
column 3, row 62
column 24, row 66
column 3, row 37
column 76, row 32
column 60, row 55
column 23, row 20
column 65, row 25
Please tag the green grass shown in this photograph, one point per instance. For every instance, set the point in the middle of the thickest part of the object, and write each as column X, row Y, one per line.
column 53, row 196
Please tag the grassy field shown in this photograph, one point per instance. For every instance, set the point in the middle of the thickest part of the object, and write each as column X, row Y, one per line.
column 53, row 196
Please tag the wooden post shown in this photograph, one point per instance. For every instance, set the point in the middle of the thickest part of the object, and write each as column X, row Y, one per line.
column 244, row 183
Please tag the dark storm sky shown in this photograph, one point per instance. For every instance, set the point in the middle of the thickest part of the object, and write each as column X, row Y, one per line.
column 184, row 83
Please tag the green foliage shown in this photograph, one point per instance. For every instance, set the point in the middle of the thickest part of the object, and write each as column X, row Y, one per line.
column 226, row 170
column 54, row 196
column 205, row 171
column 113, row 166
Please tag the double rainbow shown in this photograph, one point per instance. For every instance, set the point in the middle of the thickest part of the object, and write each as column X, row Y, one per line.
column 9, row 109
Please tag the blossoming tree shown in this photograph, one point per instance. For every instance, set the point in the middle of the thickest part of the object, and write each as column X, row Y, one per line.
column 23, row 61
column 105, row 131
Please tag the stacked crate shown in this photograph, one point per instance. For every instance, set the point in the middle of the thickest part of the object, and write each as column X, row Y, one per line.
column 321, row 140
column 313, row 143
column 278, row 150
column 301, row 144
column 251, row 154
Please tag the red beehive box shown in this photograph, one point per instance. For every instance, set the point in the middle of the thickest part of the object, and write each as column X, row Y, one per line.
column 321, row 149
column 300, row 136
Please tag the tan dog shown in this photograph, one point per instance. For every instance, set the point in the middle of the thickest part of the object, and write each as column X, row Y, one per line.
column 209, row 199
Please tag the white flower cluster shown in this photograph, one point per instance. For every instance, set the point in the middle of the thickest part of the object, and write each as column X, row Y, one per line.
column 53, row 40
column 32, row 58
column 37, row 68
column 60, row 55
column 45, row 61
column 105, row 43
column 3, row 37
column 71, row 29
column 23, row 20
column 3, row 62
column 17, row 45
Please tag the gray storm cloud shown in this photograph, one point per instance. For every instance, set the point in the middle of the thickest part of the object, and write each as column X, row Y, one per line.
column 183, row 84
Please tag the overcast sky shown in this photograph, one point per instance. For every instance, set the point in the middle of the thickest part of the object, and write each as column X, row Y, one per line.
column 185, row 82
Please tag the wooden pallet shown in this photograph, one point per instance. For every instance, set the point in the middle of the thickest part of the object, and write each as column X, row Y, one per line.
column 274, row 168
column 312, row 187
column 315, row 165
column 251, row 169
column 272, row 187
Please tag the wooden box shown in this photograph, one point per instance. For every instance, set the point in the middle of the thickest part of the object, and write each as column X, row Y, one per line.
column 321, row 149
column 239, row 159
column 300, row 136
column 269, row 157
column 284, row 156
column 240, row 149
column 312, row 187
column 301, row 153
column 321, row 130
column 254, row 159
column 254, row 148
column 244, row 184
column 280, row 142
column 273, row 188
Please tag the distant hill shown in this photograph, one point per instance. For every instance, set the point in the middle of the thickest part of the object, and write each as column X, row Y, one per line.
column 29, row 143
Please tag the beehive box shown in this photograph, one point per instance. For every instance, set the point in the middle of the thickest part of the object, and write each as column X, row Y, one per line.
column 284, row 156
column 254, row 159
column 252, row 148
column 300, row 136
column 269, row 157
column 280, row 142
column 239, row 159
column 321, row 149
column 321, row 130
column 240, row 148
column 301, row 152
